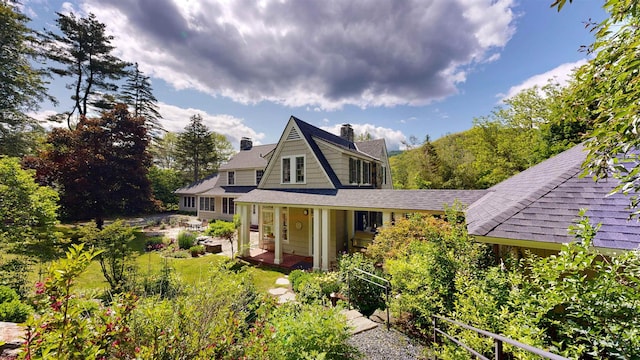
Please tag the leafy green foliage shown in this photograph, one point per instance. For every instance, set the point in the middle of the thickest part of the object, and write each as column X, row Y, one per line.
column 64, row 328
column 363, row 295
column 164, row 182
column 81, row 163
column 7, row 294
column 21, row 86
column 197, row 250
column 26, row 208
column 114, row 242
column 166, row 284
column 14, row 311
column 607, row 90
column 186, row 240
column 314, row 332
column 224, row 229
column 137, row 93
column 13, row 274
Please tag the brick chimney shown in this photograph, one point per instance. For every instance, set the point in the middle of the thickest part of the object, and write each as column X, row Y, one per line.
column 246, row 144
column 346, row 132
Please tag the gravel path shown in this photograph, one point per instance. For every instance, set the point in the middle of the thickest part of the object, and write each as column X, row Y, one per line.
column 382, row 344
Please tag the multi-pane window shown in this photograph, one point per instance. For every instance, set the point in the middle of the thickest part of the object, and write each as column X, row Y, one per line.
column 189, row 201
column 286, row 170
column 352, row 171
column 300, row 169
column 207, row 204
column 231, row 178
column 259, row 174
column 366, row 172
column 295, row 167
column 228, row 207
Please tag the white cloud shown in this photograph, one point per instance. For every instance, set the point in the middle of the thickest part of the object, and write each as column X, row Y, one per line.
column 560, row 74
column 175, row 119
column 392, row 138
column 304, row 53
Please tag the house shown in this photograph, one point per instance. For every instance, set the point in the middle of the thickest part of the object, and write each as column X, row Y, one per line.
column 188, row 195
column 323, row 194
column 214, row 197
column 532, row 210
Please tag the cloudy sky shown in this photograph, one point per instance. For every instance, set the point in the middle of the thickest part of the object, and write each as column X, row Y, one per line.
column 392, row 68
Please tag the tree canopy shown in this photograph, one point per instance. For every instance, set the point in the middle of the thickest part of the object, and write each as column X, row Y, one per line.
column 100, row 167
column 22, row 87
column 25, row 206
column 137, row 92
column 82, row 51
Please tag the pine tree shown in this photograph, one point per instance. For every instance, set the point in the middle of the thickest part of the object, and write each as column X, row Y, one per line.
column 83, row 51
column 137, row 93
column 195, row 149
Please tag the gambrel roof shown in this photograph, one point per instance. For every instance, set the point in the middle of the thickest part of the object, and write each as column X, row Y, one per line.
column 540, row 204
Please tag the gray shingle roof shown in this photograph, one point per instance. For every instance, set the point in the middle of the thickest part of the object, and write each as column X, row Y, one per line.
column 249, row 159
column 409, row 200
column 541, row 203
column 374, row 148
column 199, row 186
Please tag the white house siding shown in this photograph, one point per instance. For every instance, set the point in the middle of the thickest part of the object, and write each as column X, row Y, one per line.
column 315, row 177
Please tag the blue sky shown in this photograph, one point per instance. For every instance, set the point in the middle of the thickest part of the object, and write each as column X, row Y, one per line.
column 391, row 68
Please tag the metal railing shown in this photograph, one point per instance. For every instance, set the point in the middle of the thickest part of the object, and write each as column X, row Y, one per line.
column 367, row 276
column 498, row 341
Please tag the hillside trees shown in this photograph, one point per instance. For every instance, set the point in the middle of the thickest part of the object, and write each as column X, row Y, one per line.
column 83, row 51
column 100, row 167
column 22, row 87
column 199, row 151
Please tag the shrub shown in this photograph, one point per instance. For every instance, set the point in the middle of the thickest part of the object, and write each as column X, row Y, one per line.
column 296, row 277
column 165, row 284
column 7, row 294
column 186, row 240
column 155, row 243
column 365, row 296
column 197, row 250
column 14, row 311
column 309, row 332
column 13, row 273
column 181, row 254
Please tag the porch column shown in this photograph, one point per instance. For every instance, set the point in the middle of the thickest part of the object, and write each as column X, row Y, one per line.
column 244, row 241
column 317, row 215
column 277, row 255
column 351, row 228
column 386, row 218
column 325, row 239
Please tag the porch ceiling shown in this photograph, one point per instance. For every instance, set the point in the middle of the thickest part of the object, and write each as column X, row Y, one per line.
column 402, row 200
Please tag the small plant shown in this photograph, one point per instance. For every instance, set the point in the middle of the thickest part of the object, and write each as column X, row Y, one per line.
column 155, row 243
column 7, row 294
column 197, row 250
column 180, row 254
column 186, row 240
column 14, row 311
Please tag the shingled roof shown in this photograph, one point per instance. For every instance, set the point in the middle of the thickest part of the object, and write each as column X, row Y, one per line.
column 373, row 199
column 199, row 186
column 540, row 204
column 248, row 159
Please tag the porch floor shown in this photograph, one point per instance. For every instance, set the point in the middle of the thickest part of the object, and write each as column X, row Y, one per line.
column 288, row 261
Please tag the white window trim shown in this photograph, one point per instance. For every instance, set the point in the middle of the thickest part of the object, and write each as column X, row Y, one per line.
column 292, row 169
column 229, row 174
column 256, row 176
column 368, row 172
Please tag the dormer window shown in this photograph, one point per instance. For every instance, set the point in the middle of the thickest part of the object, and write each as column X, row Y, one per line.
column 231, row 178
column 293, row 169
column 259, row 174
column 366, row 172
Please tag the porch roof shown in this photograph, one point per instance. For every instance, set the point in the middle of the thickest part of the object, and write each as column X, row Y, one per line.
column 373, row 199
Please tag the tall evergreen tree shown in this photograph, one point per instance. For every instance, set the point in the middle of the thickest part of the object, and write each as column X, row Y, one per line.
column 83, row 51
column 138, row 94
column 195, row 149
column 22, row 87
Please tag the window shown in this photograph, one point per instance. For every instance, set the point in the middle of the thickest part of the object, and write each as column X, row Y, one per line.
column 352, row 171
column 286, row 170
column 300, row 169
column 231, row 178
column 207, row 204
column 189, row 202
column 297, row 167
column 366, row 172
column 384, row 175
column 259, row 174
column 228, row 207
